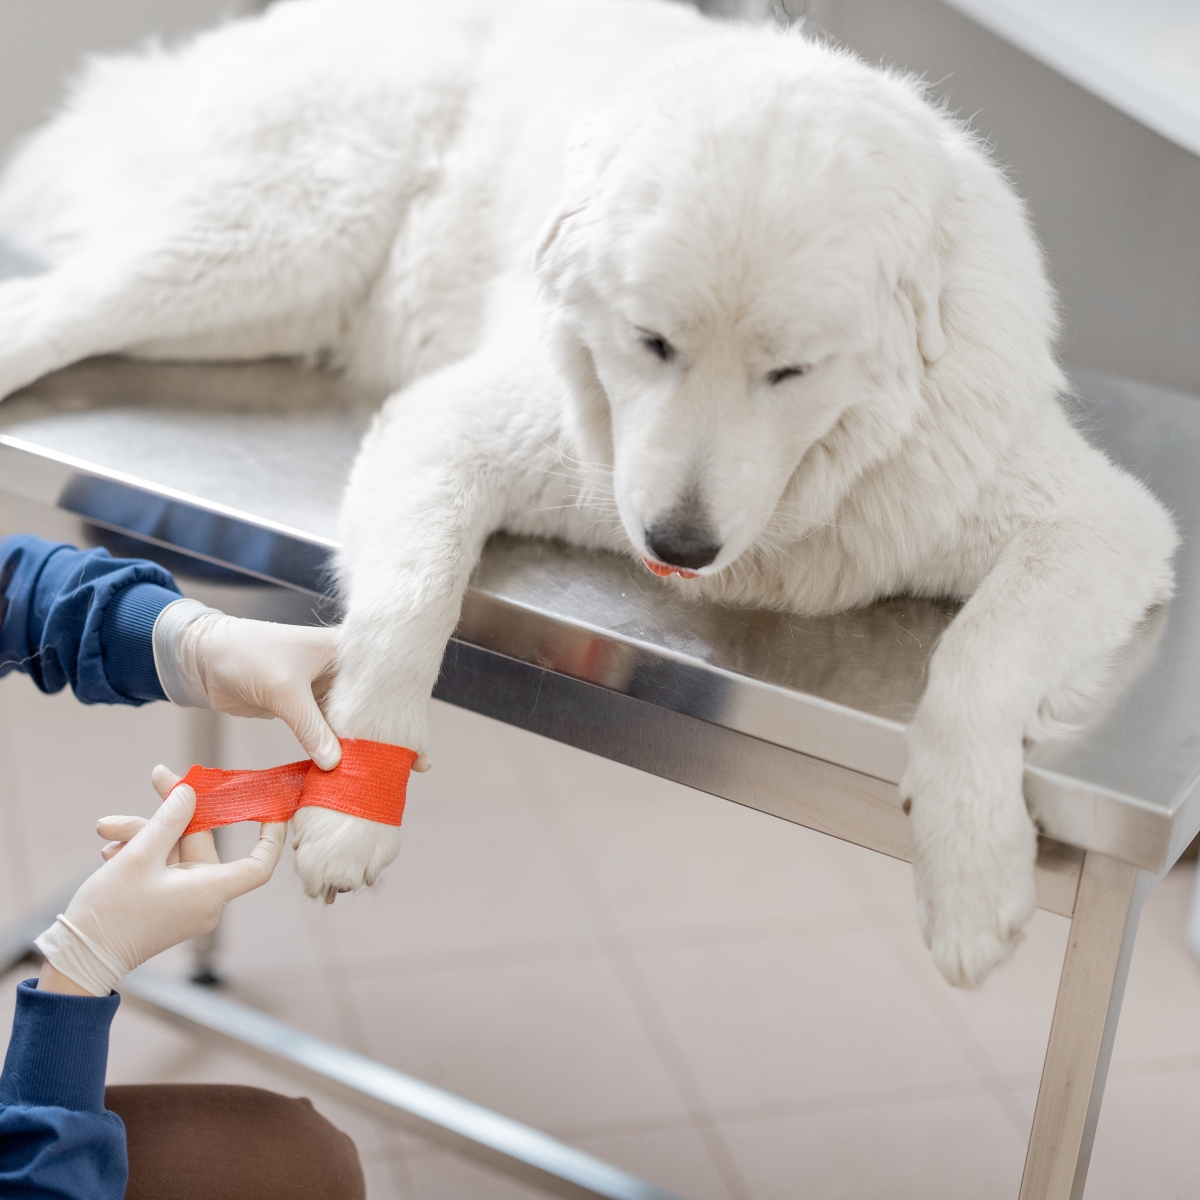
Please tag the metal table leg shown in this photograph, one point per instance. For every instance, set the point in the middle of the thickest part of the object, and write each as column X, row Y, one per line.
column 1107, row 907
column 204, row 746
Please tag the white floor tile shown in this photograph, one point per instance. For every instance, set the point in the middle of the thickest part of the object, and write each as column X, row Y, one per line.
column 1146, row 1143
column 552, row 1043
column 443, row 1177
column 765, row 1022
column 669, row 859
column 936, row 1150
column 787, row 968
column 1008, row 1018
column 387, row 1180
column 675, row 1158
column 1160, row 1018
column 458, row 889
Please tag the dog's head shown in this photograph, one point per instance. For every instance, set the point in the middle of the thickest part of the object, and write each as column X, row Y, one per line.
column 750, row 245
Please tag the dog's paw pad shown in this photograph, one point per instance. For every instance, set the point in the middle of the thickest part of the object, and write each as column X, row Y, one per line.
column 338, row 853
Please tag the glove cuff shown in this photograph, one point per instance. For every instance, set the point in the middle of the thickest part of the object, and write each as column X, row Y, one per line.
column 72, row 953
column 174, row 654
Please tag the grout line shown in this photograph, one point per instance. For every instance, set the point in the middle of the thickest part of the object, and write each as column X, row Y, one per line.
column 1176, row 1064
column 405, row 1188
column 784, row 929
column 1020, row 1081
column 947, row 1015
column 335, row 977
column 346, row 1008
column 471, row 959
column 582, row 878
column 854, row 1101
column 767, row 929
column 806, row 1106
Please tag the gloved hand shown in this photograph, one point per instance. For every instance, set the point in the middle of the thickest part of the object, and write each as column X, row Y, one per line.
column 206, row 659
column 154, row 891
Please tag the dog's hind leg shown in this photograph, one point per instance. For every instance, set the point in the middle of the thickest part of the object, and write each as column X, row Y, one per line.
column 215, row 285
column 81, row 309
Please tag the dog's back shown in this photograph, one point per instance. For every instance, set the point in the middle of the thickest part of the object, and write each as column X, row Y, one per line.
column 380, row 163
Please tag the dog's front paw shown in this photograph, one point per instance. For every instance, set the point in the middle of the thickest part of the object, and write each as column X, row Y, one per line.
column 974, row 849
column 337, row 852
column 973, row 925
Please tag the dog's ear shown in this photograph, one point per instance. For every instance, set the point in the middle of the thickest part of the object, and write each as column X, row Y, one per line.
column 550, row 231
column 926, row 302
column 587, row 153
column 923, row 282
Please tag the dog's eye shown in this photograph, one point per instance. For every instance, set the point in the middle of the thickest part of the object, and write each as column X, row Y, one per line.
column 658, row 346
column 783, row 373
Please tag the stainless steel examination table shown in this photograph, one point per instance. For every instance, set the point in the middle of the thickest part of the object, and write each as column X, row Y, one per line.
column 233, row 473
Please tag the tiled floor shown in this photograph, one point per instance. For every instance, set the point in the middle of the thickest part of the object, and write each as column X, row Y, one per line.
column 731, row 1006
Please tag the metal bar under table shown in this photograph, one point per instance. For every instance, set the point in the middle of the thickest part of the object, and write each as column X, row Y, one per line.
column 239, row 469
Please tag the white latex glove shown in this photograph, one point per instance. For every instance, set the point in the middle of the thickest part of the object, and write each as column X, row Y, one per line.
column 155, row 890
column 206, row 659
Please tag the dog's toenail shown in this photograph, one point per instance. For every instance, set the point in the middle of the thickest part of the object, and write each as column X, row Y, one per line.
column 907, row 805
column 342, row 891
column 331, row 894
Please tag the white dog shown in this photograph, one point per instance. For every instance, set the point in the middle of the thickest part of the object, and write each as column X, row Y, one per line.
column 795, row 339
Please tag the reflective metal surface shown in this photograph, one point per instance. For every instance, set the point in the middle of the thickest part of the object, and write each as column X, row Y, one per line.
column 243, row 466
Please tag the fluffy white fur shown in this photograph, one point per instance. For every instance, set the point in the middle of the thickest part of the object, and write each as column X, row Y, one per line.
column 788, row 307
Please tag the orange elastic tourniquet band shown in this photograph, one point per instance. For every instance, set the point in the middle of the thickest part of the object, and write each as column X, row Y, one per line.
column 371, row 781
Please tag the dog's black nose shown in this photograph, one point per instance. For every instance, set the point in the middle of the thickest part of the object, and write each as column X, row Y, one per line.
column 686, row 546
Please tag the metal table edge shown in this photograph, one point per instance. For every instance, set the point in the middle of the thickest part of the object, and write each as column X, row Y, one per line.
column 1149, row 829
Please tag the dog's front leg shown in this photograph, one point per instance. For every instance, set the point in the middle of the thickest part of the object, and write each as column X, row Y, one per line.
column 1042, row 628
column 444, row 464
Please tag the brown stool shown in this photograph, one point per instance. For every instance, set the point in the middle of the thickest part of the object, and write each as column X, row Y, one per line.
column 216, row 1141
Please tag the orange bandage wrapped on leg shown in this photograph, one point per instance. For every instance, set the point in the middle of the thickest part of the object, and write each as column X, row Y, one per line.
column 371, row 781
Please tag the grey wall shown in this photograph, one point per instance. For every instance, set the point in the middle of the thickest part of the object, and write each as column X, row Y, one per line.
column 42, row 41
column 1116, row 206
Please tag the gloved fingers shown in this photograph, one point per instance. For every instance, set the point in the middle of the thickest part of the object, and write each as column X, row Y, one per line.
column 236, row 705
column 325, row 671
column 245, row 874
column 119, row 829
column 325, row 640
column 306, row 720
column 166, row 827
column 118, row 832
column 164, row 779
column 198, row 848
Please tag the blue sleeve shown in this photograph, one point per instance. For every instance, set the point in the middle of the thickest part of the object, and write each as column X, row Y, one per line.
column 81, row 617
column 56, row 1139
